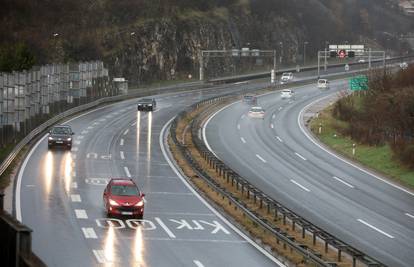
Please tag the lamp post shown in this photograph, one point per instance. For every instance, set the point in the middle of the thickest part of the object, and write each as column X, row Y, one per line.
column 281, row 51
column 304, row 52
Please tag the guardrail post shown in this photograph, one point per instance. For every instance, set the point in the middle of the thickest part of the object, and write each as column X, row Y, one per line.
column 1, row 201
column 339, row 255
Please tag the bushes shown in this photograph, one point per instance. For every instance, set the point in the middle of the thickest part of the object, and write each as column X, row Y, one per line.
column 15, row 57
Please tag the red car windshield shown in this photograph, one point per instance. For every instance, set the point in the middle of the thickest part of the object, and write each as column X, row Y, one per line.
column 124, row 190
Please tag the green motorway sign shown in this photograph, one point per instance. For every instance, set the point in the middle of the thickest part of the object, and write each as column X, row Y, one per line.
column 358, row 83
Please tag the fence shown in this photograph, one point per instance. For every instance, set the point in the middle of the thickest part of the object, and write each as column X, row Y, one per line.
column 28, row 98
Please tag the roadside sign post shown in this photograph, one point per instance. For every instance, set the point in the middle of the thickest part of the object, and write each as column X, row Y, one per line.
column 358, row 83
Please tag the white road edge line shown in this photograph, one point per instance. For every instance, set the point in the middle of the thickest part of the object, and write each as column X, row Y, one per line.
column 338, row 157
column 342, row 181
column 300, row 156
column 89, row 232
column 262, row 159
column 243, row 140
column 410, row 215
column 166, row 229
column 234, row 228
column 128, row 174
column 375, row 228
column 121, row 153
column 301, row 186
column 198, row 263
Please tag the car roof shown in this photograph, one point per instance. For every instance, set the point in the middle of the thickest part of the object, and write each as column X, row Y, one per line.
column 61, row 126
column 146, row 100
column 286, row 90
column 287, row 73
column 320, row 80
column 122, row 181
column 257, row 107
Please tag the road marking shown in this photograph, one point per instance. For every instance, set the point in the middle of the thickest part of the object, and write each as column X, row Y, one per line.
column 75, row 185
column 134, row 123
column 75, row 198
column 272, row 126
column 242, row 139
column 122, row 154
column 238, row 126
column 81, row 214
column 166, row 229
column 128, row 174
column 301, row 186
column 126, row 131
column 198, row 263
column 280, row 108
column 375, row 228
column 121, row 143
column 89, row 232
column 262, row 159
column 410, row 215
column 300, row 156
column 100, row 256
column 273, row 116
column 342, row 181
column 280, row 139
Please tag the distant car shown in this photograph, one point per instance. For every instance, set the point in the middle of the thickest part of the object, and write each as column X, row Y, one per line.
column 256, row 112
column 60, row 136
column 403, row 65
column 286, row 77
column 323, row 84
column 146, row 104
column 122, row 197
column 286, row 93
column 250, row 99
column 361, row 60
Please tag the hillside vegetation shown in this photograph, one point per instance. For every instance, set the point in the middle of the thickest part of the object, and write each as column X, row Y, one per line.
column 144, row 39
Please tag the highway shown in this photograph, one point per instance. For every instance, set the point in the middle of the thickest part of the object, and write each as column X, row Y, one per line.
column 277, row 156
column 59, row 196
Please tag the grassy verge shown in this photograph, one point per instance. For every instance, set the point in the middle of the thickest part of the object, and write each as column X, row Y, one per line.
column 378, row 158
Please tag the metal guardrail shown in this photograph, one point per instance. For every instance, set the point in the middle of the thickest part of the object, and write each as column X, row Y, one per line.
column 273, row 206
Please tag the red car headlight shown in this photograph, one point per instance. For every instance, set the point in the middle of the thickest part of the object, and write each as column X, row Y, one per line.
column 140, row 203
column 113, row 202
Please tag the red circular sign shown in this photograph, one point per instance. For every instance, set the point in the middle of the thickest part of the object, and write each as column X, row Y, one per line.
column 342, row 53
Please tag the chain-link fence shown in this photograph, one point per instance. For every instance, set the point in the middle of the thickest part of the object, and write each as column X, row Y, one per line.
column 31, row 97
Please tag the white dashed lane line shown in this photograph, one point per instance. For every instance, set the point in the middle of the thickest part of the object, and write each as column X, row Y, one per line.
column 74, row 185
column 410, row 215
column 81, row 214
column 89, row 232
column 300, row 156
column 272, row 126
column 301, row 186
column 121, row 153
column 342, row 181
column 198, row 263
column 262, row 159
column 375, row 228
column 75, row 198
column 242, row 139
column 280, row 139
column 126, row 131
column 100, row 256
column 273, row 116
column 238, row 126
column 128, row 174
column 121, row 143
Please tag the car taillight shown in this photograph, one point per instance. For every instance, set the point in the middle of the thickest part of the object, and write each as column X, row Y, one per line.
column 113, row 202
column 140, row 203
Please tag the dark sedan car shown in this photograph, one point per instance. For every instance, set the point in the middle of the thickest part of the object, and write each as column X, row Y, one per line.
column 122, row 197
column 61, row 136
column 146, row 104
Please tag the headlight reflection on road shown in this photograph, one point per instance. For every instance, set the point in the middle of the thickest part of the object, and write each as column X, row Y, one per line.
column 109, row 246
column 149, row 141
column 139, row 245
column 138, row 136
column 68, row 171
column 48, row 171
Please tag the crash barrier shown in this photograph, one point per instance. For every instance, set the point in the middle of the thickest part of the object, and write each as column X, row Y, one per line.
column 277, row 210
column 16, row 241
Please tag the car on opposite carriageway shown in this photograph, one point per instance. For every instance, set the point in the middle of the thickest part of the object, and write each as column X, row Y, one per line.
column 123, row 198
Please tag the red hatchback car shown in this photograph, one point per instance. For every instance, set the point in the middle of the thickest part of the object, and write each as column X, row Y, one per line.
column 122, row 197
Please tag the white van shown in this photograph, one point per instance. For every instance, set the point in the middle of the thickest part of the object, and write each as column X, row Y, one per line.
column 286, row 93
column 286, row 77
column 323, row 84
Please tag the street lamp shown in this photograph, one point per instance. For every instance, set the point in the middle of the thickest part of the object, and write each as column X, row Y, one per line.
column 304, row 52
column 281, row 51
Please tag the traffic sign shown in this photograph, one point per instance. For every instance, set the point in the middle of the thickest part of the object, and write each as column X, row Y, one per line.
column 342, row 53
column 358, row 83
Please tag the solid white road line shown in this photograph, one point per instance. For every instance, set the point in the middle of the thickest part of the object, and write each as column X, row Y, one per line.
column 100, row 256
column 121, row 143
column 300, row 156
column 184, row 181
column 126, row 131
column 272, row 126
column 81, row 214
column 128, row 174
column 121, row 153
column 410, row 215
column 375, row 228
column 89, row 232
column 280, row 139
column 166, row 229
column 262, row 159
column 342, row 181
column 242, row 139
column 75, row 198
column 338, row 157
column 198, row 263
column 301, row 186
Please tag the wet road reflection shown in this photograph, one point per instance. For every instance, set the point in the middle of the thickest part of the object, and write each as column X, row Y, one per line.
column 138, row 246
column 149, row 136
column 68, row 161
column 48, row 169
column 109, row 246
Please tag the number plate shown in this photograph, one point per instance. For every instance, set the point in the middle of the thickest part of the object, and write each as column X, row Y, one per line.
column 126, row 212
column 59, row 142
